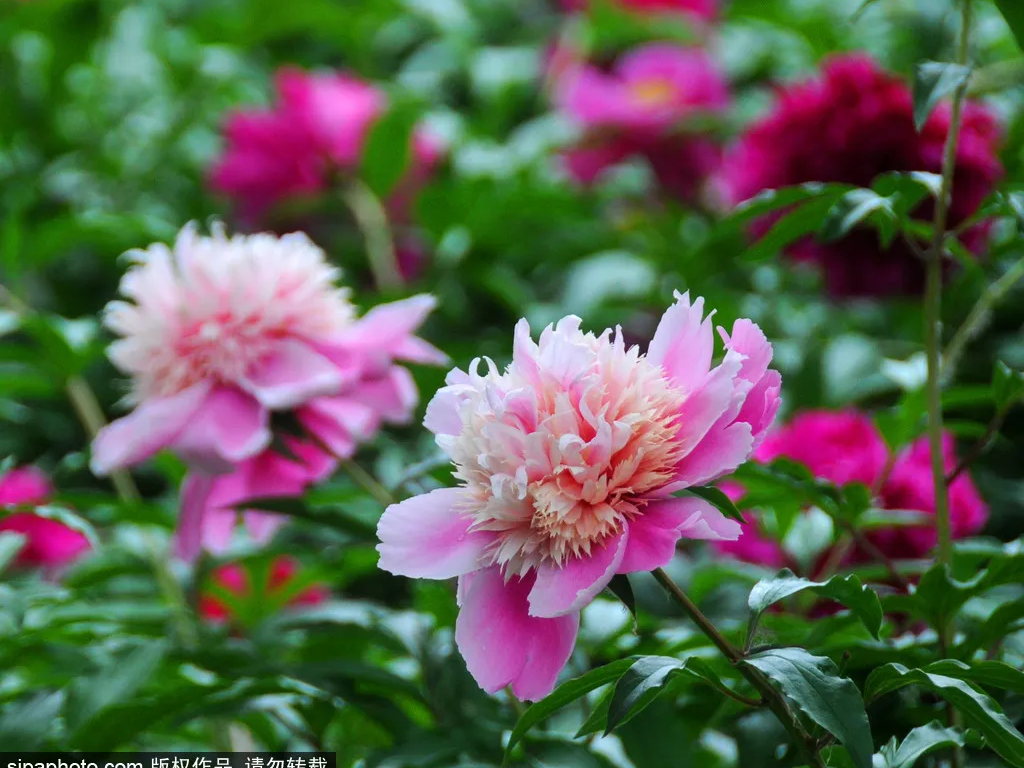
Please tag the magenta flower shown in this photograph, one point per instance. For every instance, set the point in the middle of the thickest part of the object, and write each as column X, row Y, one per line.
column 317, row 128
column 851, row 124
column 846, row 447
column 236, row 579
column 568, row 461
column 220, row 332
column 640, row 108
column 706, row 10
column 49, row 544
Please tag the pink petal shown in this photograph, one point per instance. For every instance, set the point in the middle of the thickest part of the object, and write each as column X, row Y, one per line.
column 387, row 326
column 153, row 425
column 393, row 397
column 749, row 340
column 761, row 405
column 416, row 350
column 654, row 534
column 708, row 402
column 706, row 522
column 503, row 645
column 261, row 526
column 338, row 422
column 25, row 485
column 293, row 375
column 429, row 537
column 721, row 451
column 195, row 495
column 684, row 343
column 565, row 589
column 444, row 411
column 230, row 427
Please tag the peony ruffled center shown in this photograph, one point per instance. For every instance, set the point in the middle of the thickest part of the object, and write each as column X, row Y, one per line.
column 214, row 308
column 562, row 449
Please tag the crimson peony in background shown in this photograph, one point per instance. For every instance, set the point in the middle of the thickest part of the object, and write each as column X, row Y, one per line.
column 846, row 447
column 237, row 579
column 48, row 543
column 698, row 9
column 316, row 129
column 640, row 108
column 851, row 123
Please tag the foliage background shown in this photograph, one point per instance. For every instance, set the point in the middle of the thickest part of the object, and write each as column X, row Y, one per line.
column 109, row 117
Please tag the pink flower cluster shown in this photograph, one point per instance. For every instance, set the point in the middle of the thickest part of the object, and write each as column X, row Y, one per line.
column 49, row 544
column 851, row 124
column 640, row 108
column 237, row 580
column 568, row 462
column 846, row 447
column 317, row 129
column 218, row 333
column 698, row 9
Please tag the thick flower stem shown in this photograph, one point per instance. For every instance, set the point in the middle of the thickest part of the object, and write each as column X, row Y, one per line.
column 933, row 307
column 772, row 698
column 89, row 412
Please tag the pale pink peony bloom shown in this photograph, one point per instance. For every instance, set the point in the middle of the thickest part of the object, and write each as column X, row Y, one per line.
column 219, row 332
column 568, row 461
column 48, row 543
column 640, row 108
column 317, row 128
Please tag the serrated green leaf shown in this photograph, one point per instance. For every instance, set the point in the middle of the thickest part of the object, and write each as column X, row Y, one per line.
column 919, row 742
column 814, row 686
column 564, row 694
column 933, row 81
column 978, row 709
column 848, row 590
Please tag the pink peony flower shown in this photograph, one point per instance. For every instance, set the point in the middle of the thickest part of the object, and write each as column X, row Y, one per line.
column 851, row 124
column 236, row 579
column 698, row 9
column 218, row 333
column 317, row 128
column 568, row 461
column 640, row 109
column 844, row 447
column 48, row 543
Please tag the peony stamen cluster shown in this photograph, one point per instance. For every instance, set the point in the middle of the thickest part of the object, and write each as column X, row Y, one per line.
column 217, row 333
column 568, row 462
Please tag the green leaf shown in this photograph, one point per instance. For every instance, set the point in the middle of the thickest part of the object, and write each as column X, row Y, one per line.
column 933, row 81
column 296, row 507
column 564, row 694
column 10, row 545
column 813, row 684
column 920, row 742
column 641, row 684
column 116, row 683
column 857, row 207
column 388, row 149
column 623, row 590
column 1000, row 623
column 978, row 709
column 24, row 725
column 1013, row 12
column 995, row 674
column 1007, row 385
column 803, row 220
column 716, row 497
column 939, row 596
column 848, row 590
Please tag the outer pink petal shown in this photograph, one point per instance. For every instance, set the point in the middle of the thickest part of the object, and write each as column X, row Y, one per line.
column 721, row 451
column 762, row 405
column 429, row 537
column 561, row 590
column 654, row 534
column 392, row 397
column 153, row 425
column 708, row 402
column 195, row 497
column 706, row 522
column 24, row 485
column 231, row 426
column 387, row 327
column 503, row 645
column 293, row 375
column 684, row 343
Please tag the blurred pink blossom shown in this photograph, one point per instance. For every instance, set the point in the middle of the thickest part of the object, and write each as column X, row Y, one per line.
column 568, row 462
column 845, row 447
column 220, row 332
column 641, row 108
column 48, row 543
column 317, row 128
column 236, row 578
column 852, row 123
column 699, row 9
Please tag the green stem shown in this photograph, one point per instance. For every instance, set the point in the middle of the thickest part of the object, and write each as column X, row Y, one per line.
column 368, row 482
column 772, row 698
column 933, row 309
column 372, row 220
